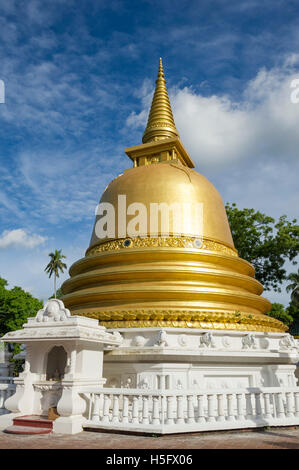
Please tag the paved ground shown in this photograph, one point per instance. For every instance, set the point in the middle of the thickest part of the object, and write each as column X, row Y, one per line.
column 272, row 438
column 269, row 438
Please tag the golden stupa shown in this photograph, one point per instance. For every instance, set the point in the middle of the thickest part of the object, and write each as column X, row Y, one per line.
column 167, row 281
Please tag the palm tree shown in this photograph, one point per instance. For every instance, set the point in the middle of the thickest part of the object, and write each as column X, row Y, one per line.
column 294, row 278
column 295, row 295
column 55, row 265
column 293, row 287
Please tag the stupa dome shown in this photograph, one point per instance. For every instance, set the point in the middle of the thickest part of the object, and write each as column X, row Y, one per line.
column 170, row 183
column 192, row 277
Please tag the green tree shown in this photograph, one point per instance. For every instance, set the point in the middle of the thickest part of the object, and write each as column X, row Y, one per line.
column 55, row 265
column 16, row 306
column 293, row 311
column 280, row 313
column 267, row 244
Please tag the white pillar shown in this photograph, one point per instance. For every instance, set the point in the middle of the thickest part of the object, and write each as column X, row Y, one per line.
column 70, row 408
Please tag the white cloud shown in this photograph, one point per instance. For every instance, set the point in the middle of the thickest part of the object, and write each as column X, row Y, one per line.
column 19, row 237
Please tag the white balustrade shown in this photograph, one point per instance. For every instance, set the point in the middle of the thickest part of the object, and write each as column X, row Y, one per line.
column 6, row 390
column 184, row 410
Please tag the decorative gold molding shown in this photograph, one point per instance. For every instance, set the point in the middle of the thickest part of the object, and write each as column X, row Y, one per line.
column 164, row 242
column 187, row 319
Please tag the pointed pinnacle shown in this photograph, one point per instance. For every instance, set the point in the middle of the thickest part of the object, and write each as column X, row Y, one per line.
column 161, row 71
column 160, row 123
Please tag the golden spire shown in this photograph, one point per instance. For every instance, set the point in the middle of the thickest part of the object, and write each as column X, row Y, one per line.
column 160, row 123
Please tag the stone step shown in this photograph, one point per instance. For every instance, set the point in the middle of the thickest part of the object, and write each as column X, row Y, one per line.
column 17, row 429
column 30, row 424
column 34, row 421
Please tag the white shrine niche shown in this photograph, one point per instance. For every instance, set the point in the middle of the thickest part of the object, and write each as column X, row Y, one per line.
column 56, row 363
column 64, row 357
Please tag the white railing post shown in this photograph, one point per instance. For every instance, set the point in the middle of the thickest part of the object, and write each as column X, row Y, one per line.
column 105, row 418
column 145, row 414
column 169, row 418
column 230, row 410
column 289, row 410
column 190, row 409
column 115, row 410
column 180, row 410
column 211, row 408
column 125, row 415
column 220, row 408
column 156, row 413
column 249, row 408
column 135, row 409
column 200, row 410
column 258, row 405
column 280, row 407
column 95, row 417
column 268, row 414
column 240, row 412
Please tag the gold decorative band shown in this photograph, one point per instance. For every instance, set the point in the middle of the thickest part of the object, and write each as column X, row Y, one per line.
column 165, row 242
column 187, row 319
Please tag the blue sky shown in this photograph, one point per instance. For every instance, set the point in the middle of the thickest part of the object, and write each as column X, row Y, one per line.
column 79, row 78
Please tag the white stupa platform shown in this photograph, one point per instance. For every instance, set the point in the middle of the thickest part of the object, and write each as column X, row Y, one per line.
column 183, row 358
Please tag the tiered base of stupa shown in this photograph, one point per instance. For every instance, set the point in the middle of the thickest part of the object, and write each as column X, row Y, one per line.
column 201, row 359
